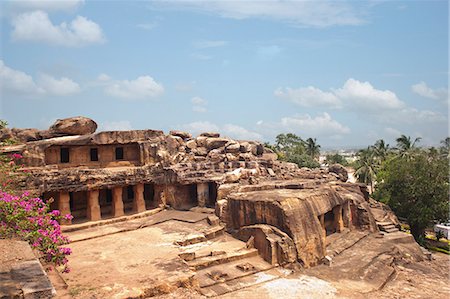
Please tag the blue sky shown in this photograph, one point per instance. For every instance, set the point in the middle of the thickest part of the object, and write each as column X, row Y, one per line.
column 345, row 72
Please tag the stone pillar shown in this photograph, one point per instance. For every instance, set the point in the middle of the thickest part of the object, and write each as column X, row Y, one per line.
column 347, row 215
column 322, row 223
column 64, row 206
column 160, row 196
column 202, row 194
column 117, row 203
column 93, row 207
column 338, row 223
column 139, row 202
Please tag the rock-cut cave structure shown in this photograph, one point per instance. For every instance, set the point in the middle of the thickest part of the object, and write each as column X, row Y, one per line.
column 288, row 212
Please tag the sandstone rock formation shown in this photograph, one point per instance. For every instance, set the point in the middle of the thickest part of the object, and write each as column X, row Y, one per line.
column 340, row 171
column 288, row 211
column 78, row 125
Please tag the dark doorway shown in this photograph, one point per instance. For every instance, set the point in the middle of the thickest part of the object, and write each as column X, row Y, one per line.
column 94, row 154
column 127, row 198
column 212, row 195
column 119, row 153
column 329, row 223
column 149, row 196
column 64, row 155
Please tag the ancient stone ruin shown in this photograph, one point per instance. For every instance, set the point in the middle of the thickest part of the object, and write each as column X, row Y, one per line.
column 286, row 212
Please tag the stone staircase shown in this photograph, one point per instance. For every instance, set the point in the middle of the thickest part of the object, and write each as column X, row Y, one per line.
column 224, row 264
column 387, row 227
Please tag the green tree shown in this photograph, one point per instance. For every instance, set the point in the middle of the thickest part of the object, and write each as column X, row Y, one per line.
column 406, row 146
column 336, row 159
column 312, row 148
column 381, row 150
column 416, row 188
column 366, row 167
column 292, row 148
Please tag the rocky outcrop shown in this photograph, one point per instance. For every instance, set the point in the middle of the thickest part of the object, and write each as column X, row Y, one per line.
column 78, row 125
column 340, row 171
column 295, row 209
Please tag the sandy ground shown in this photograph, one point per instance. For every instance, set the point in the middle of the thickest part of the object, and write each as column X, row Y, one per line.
column 127, row 263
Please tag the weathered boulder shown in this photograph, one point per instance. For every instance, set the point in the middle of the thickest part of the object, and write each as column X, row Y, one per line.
column 78, row 125
column 232, row 147
column 213, row 142
column 26, row 135
column 191, row 144
column 200, row 151
column 184, row 135
column 340, row 171
column 6, row 133
column 210, row 134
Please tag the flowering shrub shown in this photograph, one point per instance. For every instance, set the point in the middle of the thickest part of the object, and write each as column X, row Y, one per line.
column 29, row 219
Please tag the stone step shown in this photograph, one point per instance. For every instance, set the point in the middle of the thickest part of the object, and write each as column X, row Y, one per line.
column 391, row 230
column 388, row 226
column 232, row 270
column 383, row 223
column 379, row 271
column 240, row 283
column 202, row 237
column 208, row 261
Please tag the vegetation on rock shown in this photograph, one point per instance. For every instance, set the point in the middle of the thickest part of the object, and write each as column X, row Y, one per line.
column 413, row 181
column 27, row 217
column 292, row 148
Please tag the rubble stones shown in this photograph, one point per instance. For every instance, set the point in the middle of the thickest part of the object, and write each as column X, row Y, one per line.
column 214, row 143
column 340, row 171
column 183, row 135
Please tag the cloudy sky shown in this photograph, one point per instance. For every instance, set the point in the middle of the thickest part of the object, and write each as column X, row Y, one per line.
column 345, row 72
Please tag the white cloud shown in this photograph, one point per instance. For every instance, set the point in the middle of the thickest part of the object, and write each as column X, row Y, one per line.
column 365, row 96
column 103, row 77
column 321, row 125
column 48, row 5
column 36, row 27
column 147, row 26
column 201, row 56
column 19, row 83
column 198, row 101
column 297, row 13
column 200, row 126
column 392, row 133
column 238, row 132
column 308, row 97
column 412, row 116
column 203, row 44
column 268, row 52
column 59, row 87
column 229, row 130
column 199, row 109
column 144, row 87
column 199, row 104
column 121, row 125
column 425, row 91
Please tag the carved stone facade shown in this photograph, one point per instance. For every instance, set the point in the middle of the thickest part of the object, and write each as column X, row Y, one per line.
column 286, row 210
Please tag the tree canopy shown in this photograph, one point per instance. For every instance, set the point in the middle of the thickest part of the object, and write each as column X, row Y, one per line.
column 413, row 181
column 292, row 148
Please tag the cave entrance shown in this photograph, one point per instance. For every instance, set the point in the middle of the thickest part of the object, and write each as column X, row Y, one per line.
column 329, row 223
column 212, row 198
column 149, row 196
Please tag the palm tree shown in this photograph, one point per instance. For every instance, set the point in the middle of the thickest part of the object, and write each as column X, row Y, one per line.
column 312, row 148
column 365, row 170
column 381, row 150
column 406, row 146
